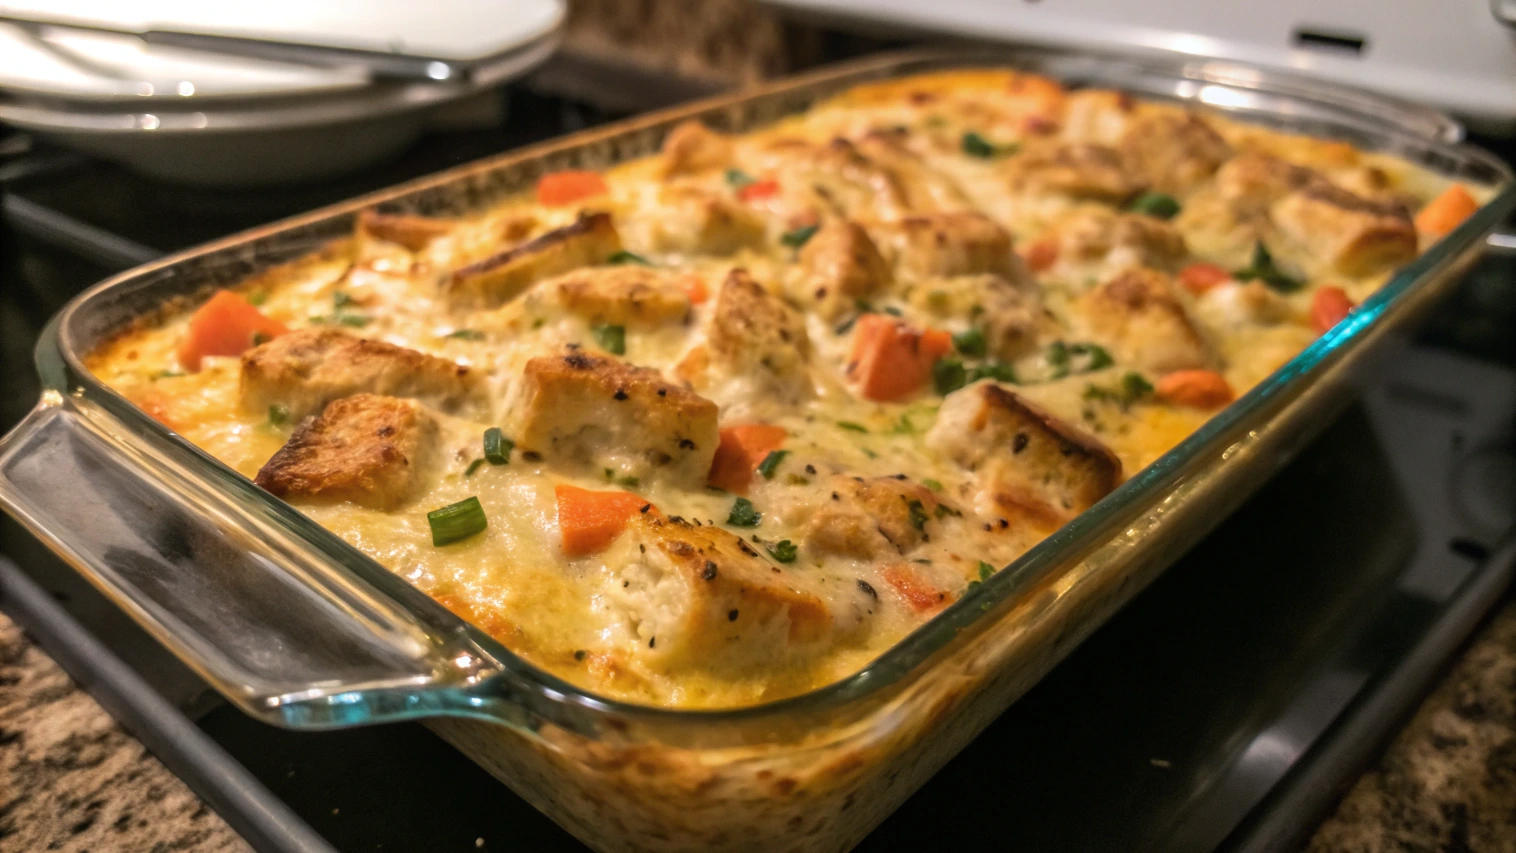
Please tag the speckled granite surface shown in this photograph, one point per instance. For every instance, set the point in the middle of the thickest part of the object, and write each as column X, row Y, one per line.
column 71, row 779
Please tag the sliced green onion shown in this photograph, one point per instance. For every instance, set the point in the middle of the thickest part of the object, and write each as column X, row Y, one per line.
column 998, row 371
column 948, row 375
column 784, row 551
column 612, row 339
column 465, row 335
column 797, row 238
column 457, row 521
column 770, row 463
column 278, row 415
column 970, row 342
column 1160, row 205
column 743, row 514
column 497, row 448
column 852, row 427
column 975, row 145
column 1099, row 357
column 737, row 179
column 625, row 257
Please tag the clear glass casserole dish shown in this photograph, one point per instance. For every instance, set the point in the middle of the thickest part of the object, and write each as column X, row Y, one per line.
column 300, row 629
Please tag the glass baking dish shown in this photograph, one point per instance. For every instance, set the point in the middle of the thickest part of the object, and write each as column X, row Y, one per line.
column 302, row 630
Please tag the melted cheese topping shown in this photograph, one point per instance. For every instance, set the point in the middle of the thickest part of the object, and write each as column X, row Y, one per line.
column 922, row 146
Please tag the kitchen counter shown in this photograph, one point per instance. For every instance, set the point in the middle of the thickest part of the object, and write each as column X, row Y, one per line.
column 71, row 779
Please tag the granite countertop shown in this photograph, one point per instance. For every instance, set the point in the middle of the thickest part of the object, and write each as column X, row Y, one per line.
column 71, row 779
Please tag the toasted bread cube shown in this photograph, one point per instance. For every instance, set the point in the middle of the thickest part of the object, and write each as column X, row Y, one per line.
column 589, row 240
column 1075, row 169
column 595, row 412
column 1173, row 152
column 754, row 335
column 1252, row 181
column 835, row 178
column 1330, row 230
column 308, row 368
column 923, row 189
column 839, row 265
column 413, row 232
column 1024, row 459
column 1138, row 314
column 692, row 147
column 1009, row 313
column 948, row 244
column 1093, row 235
column 701, row 597
column 697, row 220
column 366, row 448
column 629, row 295
column 1100, row 116
column 864, row 518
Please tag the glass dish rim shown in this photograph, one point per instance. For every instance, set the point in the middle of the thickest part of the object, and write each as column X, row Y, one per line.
column 62, row 368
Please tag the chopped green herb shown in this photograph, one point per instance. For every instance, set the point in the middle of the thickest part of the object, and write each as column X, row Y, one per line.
column 934, row 485
column 625, row 257
column 457, row 521
column 797, row 480
column 1058, row 359
column 944, row 509
column 852, row 427
column 609, row 475
column 166, row 374
column 257, row 297
column 892, row 311
column 1156, row 204
column 737, row 179
column 318, row 319
column 948, row 375
column 1098, row 356
column 784, row 551
column 1264, row 269
column 259, row 338
column 357, row 321
column 847, row 325
column 971, row 588
column 472, row 467
column 743, row 514
column 341, row 299
column 629, row 482
column 797, row 238
column 770, row 463
column 612, row 339
column 1062, row 358
column 975, row 145
column 1135, row 386
column 278, row 415
column 869, row 453
column 465, row 335
column 986, row 571
column 919, row 515
column 970, row 342
column 998, row 371
column 497, row 448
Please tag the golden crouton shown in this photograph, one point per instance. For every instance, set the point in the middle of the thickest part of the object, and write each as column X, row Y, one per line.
column 307, row 368
column 589, row 240
column 698, row 220
column 1252, row 181
column 864, row 518
column 1138, row 315
column 365, row 448
column 413, row 232
column 1009, row 314
column 1329, row 230
column 1173, row 152
column 923, row 188
column 1023, row 458
column 595, row 412
column 692, row 147
column 838, row 266
column 754, row 334
column 1074, row 169
column 1102, row 236
column 947, row 244
column 840, row 179
column 700, row 596
column 629, row 295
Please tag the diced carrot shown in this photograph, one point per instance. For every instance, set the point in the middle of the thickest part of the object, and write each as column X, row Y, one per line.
column 1199, row 389
column 891, row 360
column 226, row 324
column 1445, row 212
column 695, row 287
column 1041, row 254
column 591, row 521
column 920, row 595
column 1198, row 278
column 1328, row 306
column 561, row 188
column 758, row 190
column 742, row 450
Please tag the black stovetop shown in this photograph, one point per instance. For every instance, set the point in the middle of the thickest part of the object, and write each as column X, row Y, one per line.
column 1259, row 667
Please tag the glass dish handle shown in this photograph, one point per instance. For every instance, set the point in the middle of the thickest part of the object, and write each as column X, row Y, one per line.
column 290, row 637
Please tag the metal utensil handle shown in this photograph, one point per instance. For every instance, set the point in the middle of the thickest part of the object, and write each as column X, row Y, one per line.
column 289, row 638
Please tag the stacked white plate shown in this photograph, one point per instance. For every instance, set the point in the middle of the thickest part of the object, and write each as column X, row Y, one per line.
column 207, row 117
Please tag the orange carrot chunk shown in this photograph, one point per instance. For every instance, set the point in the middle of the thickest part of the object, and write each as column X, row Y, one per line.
column 758, row 190
column 1328, row 306
column 891, row 360
column 591, row 521
column 694, row 287
column 913, row 589
column 741, row 451
column 1445, row 212
column 1198, row 278
column 226, row 324
column 1041, row 255
column 560, row 188
column 1198, row 389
